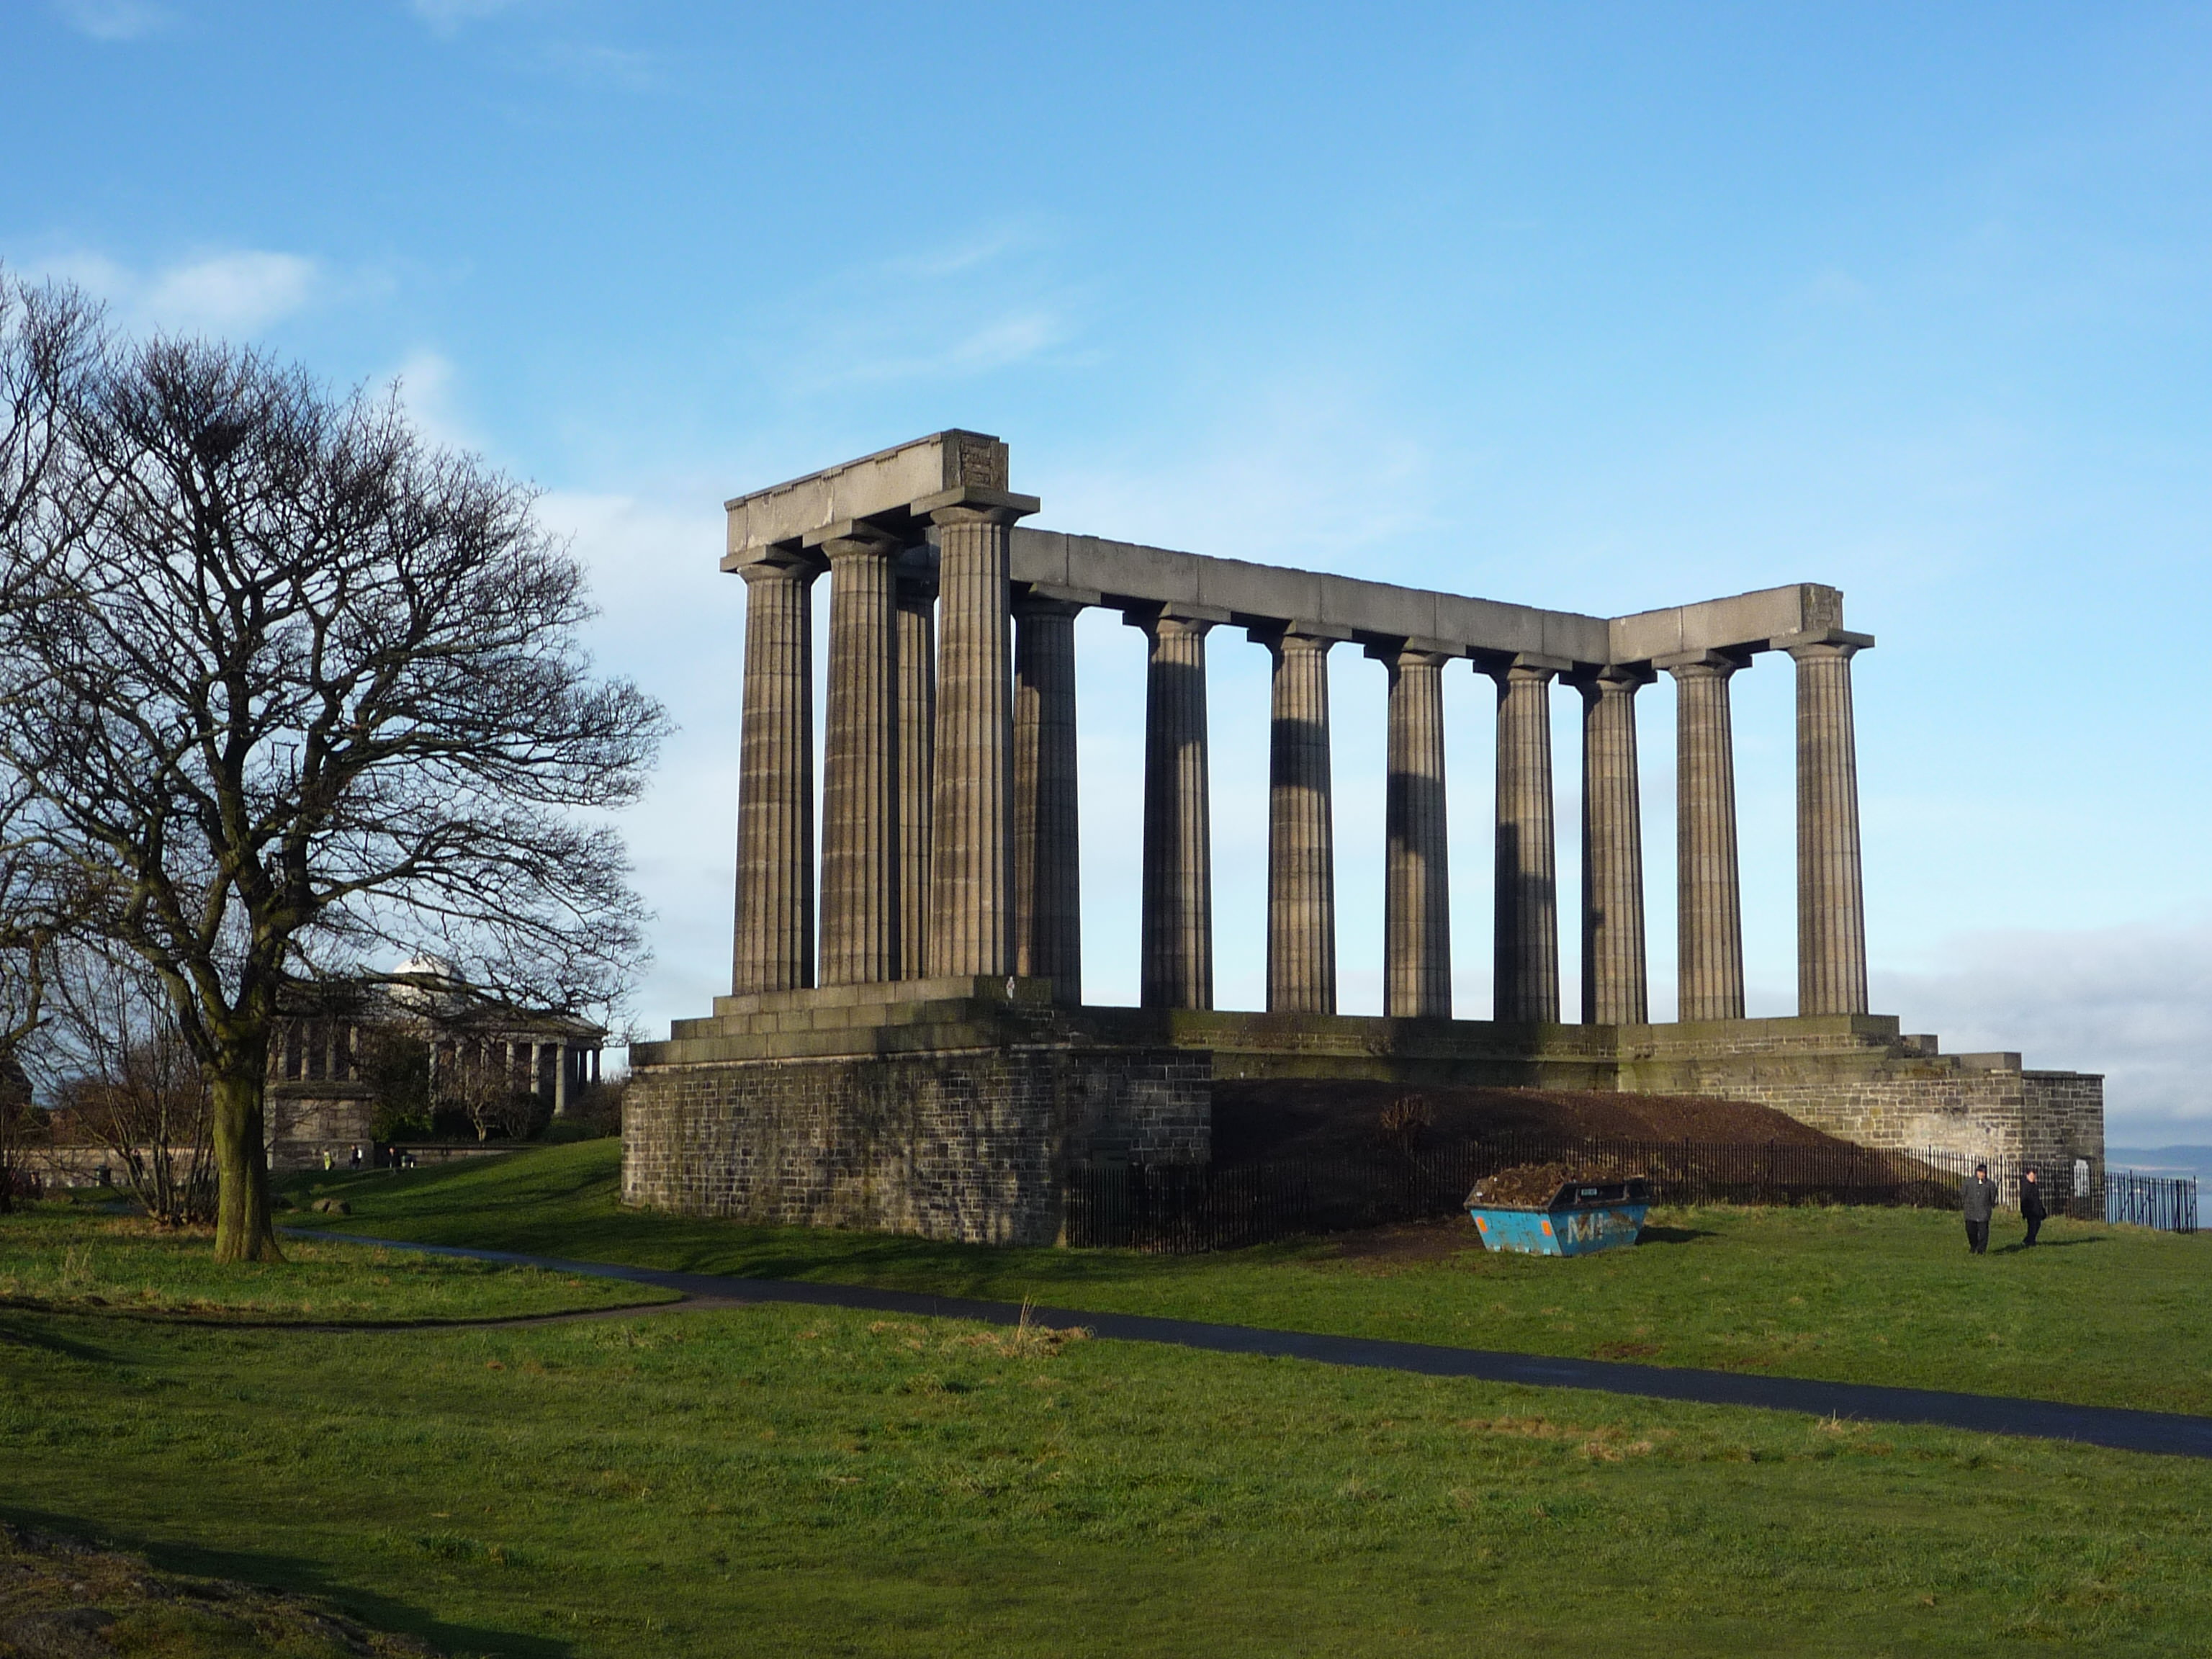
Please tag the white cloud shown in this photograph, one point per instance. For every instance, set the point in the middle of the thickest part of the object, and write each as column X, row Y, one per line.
column 429, row 384
column 234, row 293
column 113, row 20
column 2132, row 1002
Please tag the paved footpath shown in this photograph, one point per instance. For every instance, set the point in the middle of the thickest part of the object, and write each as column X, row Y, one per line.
column 2171, row 1433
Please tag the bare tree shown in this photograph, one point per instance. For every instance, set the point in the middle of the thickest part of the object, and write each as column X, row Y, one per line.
column 119, row 1072
column 299, row 692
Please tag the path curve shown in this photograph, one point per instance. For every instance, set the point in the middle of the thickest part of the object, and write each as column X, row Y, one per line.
column 2172, row 1434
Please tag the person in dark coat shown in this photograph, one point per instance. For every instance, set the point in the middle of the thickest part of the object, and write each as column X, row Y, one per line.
column 1981, row 1204
column 2031, row 1206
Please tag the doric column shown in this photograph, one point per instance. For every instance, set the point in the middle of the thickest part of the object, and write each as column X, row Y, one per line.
column 774, row 943
column 1047, row 873
column 1527, row 963
column 1832, row 971
column 1615, row 990
column 1301, row 827
column 561, row 1079
column 971, row 836
column 859, row 763
column 1709, row 919
column 1176, row 970
column 917, row 743
column 1416, row 881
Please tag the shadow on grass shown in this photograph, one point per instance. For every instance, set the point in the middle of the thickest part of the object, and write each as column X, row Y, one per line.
column 1674, row 1236
column 285, row 1572
column 2019, row 1247
column 18, row 1332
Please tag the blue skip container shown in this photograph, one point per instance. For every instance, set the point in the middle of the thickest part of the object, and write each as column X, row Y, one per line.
column 1582, row 1217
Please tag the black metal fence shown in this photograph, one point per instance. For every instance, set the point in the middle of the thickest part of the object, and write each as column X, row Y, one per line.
column 2138, row 1200
column 1180, row 1209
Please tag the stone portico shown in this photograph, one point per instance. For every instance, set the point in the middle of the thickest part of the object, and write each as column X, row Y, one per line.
column 925, row 1061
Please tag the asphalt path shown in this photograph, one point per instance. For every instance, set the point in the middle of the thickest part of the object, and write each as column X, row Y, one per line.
column 2172, row 1434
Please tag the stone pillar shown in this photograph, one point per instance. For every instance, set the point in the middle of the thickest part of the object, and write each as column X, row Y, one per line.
column 917, row 743
column 1527, row 963
column 774, row 944
column 1176, row 968
column 1417, row 883
column 860, row 764
column 1832, row 971
column 1615, row 988
column 1301, row 827
column 1709, row 919
column 1047, row 873
column 971, row 836
column 561, row 1079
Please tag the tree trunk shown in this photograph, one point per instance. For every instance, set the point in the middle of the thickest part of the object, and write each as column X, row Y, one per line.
column 242, row 1229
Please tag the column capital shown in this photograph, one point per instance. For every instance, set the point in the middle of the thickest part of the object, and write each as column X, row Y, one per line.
column 1520, row 667
column 1408, row 652
column 1815, row 643
column 1702, row 664
column 779, row 564
column 851, row 540
column 1296, row 635
column 1620, row 679
column 974, row 504
column 1174, row 619
column 1040, row 599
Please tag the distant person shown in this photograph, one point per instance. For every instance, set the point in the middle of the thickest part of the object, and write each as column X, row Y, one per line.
column 1981, row 1204
column 356, row 1160
column 2031, row 1208
column 327, row 1160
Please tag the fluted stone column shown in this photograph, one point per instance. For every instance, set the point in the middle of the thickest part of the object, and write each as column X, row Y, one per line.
column 775, row 939
column 1832, row 971
column 971, row 841
column 1301, row 828
column 1527, row 963
column 1177, row 966
column 917, row 743
column 1709, row 919
column 1047, row 872
column 1615, row 987
column 1417, row 882
column 859, row 765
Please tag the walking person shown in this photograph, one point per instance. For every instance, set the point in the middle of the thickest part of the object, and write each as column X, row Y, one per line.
column 2031, row 1206
column 1981, row 1204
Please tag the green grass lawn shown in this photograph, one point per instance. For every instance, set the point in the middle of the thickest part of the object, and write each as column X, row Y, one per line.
column 787, row 1481
column 63, row 1255
column 2100, row 1316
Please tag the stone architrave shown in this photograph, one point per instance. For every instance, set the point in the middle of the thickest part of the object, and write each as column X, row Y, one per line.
column 774, row 935
column 860, row 941
column 1176, row 968
column 1709, row 919
column 1615, row 983
column 971, row 840
column 1417, row 981
column 917, row 743
column 1831, row 968
column 1047, row 869
column 1526, row 962
column 1301, row 826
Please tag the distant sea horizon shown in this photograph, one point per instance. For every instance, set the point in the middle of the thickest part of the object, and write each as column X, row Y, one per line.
column 2162, row 1160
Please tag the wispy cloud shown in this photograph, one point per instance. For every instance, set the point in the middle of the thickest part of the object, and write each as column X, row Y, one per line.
column 429, row 388
column 598, row 65
column 446, row 16
column 2132, row 1002
column 234, row 292
column 113, row 20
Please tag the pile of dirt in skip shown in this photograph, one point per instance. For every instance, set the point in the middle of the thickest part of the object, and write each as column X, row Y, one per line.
column 1264, row 1120
column 61, row 1598
column 1522, row 1184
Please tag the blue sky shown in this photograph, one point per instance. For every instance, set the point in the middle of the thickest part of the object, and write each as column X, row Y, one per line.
column 1598, row 306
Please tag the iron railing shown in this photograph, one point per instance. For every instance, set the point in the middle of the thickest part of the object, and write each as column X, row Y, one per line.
column 2169, row 1203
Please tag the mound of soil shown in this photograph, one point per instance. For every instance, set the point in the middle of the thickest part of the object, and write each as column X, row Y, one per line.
column 60, row 1598
column 1259, row 1121
column 1524, row 1183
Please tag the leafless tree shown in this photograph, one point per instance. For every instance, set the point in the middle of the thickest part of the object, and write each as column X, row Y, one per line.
column 121, row 1075
column 301, row 693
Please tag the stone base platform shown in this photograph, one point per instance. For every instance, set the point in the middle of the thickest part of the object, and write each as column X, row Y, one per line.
column 953, row 1108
